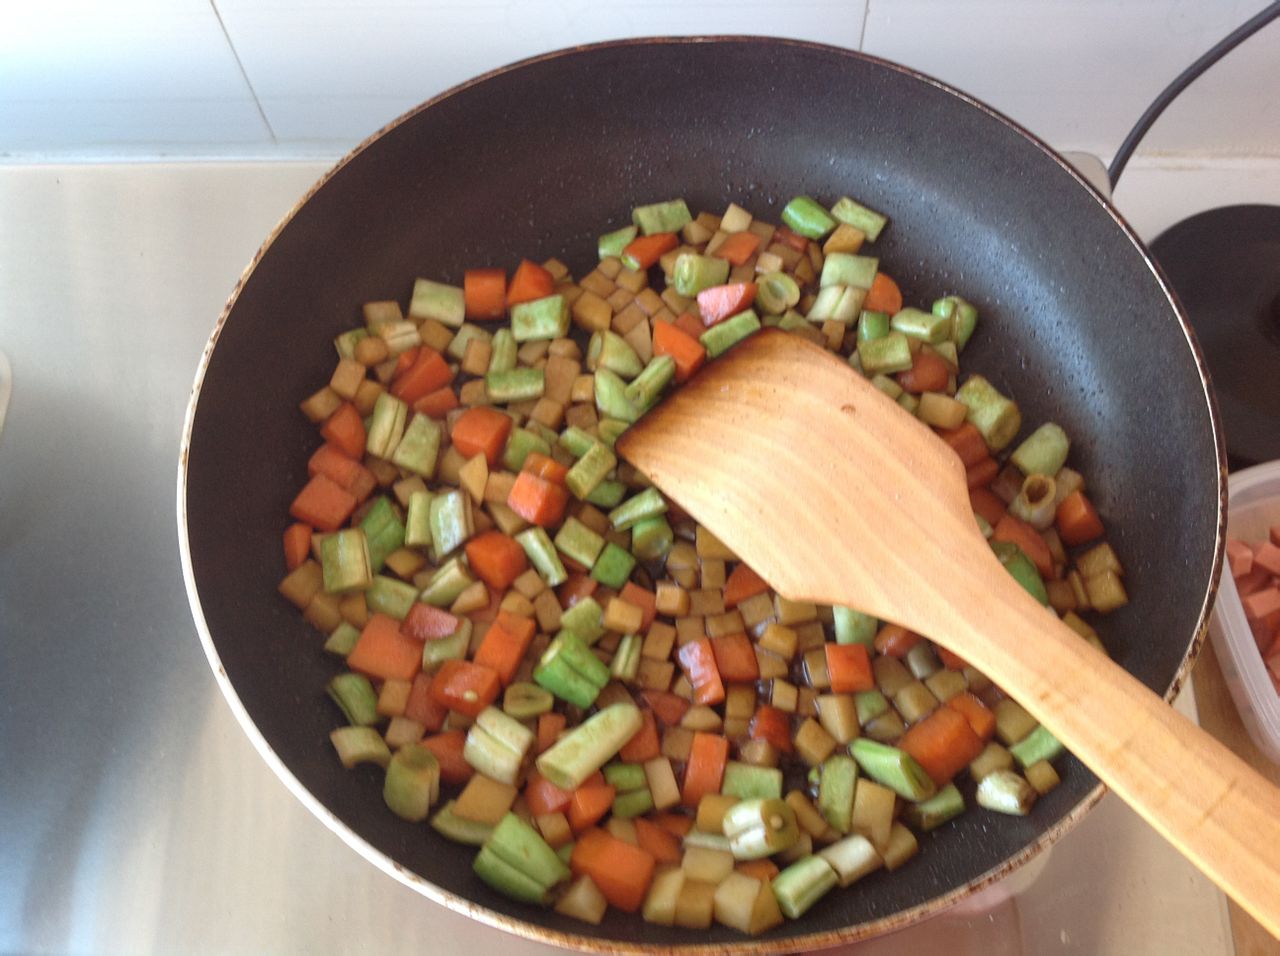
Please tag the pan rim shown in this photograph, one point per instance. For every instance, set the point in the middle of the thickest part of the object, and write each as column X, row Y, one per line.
column 528, row 930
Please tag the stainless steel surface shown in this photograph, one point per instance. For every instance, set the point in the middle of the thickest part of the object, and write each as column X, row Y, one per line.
column 136, row 816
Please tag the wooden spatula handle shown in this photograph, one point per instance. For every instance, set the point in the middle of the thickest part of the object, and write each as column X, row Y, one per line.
column 1218, row 811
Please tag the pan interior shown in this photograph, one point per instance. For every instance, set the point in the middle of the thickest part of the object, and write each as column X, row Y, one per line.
column 536, row 162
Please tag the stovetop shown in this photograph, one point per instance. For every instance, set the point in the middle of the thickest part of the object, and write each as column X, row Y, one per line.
column 137, row 816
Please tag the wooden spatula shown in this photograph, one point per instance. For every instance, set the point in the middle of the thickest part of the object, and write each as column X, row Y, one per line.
column 836, row 495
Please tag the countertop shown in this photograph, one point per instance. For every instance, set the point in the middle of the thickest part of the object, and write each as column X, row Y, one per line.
column 137, row 816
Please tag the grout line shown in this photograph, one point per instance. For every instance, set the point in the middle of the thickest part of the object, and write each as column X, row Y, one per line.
column 862, row 34
column 213, row 5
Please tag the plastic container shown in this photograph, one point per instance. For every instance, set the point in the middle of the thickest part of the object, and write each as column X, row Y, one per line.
column 1253, row 507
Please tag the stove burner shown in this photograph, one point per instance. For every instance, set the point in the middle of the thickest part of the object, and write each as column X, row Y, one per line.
column 1224, row 265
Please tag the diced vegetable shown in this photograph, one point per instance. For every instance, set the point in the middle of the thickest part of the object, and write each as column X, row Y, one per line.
column 505, row 591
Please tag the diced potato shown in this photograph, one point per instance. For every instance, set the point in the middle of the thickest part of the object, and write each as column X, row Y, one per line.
column 993, row 757
column 484, row 800
column 1012, row 721
column 838, row 716
column 1042, row 776
column 812, row 743
column 695, row 904
column 873, row 813
column 662, row 783
column 706, row 864
column 660, row 903
column 779, row 639
column 621, row 829
column 902, row 847
column 711, row 810
column 554, row 828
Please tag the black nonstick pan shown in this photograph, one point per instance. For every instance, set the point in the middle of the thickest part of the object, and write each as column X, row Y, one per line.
column 536, row 160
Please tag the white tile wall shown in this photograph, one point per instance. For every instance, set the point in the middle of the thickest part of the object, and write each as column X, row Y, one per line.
column 87, row 77
column 1080, row 72
column 281, row 78
column 349, row 67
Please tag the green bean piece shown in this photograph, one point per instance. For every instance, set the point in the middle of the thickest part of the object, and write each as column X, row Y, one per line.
column 1022, row 569
column 451, row 648
column 586, row 748
column 503, row 356
column 625, row 776
column 342, row 640
column 750, row 782
column 872, row 325
column 520, row 443
column 865, row 220
column 1038, row 745
column 450, row 521
column 386, row 426
column 839, row 777
column 963, row 316
column 651, row 538
column 694, row 272
column 412, row 783
column 614, row 566
column 994, row 415
column 390, row 596
column 579, row 542
column 626, row 659
column 885, row 355
column 1043, row 452
column 757, row 828
column 647, row 504
column 837, row 303
column 469, row 332
column 356, row 698
column 545, row 318
column 611, row 397
column 632, row 804
column 383, row 531
column 804, row 216
column 542, row 555
column 608, row 349
column 611, row 244
column 845, row 268
column 355, row 745
column 720, row 338
column 853, row 627
column 649, row 384
column 776, row 292
column 585, row 619
column 893, row 768
column 417, row 522
column 589, row 470
column 345, row 561
column 610, row 430
column 930, row 814
column 1006, row 792
column 459, row 829
column 514, row 385
column 523, row 700
column 926, row 326
column 448, row 581
column 670, row 216
column 802, row 884
column 435, row 300
column 419, row 446
column 607, row 494
column 576, row 441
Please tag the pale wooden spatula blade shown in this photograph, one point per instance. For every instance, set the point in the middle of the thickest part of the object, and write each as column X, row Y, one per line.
column 786, row 454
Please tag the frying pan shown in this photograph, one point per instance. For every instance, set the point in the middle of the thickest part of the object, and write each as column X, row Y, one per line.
column 536, row 160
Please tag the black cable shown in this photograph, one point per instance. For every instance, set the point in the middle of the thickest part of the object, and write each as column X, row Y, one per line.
column 1183, row 80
